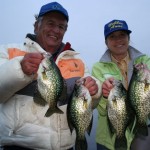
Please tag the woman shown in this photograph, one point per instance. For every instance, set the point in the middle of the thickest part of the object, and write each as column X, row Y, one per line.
column 116, row 63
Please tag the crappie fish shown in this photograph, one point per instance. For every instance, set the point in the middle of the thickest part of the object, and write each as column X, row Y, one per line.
column 80, row 114
column 118, row 113
column 139, row 95
column 50, row 85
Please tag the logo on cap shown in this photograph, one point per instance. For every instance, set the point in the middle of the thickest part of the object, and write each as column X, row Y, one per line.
column 55, row 7
column 116, row 24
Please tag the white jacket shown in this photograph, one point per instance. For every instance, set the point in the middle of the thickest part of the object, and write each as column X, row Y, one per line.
column 22, row 122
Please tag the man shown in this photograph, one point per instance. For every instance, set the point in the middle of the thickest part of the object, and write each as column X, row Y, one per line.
column 116, row 63
column 23, row 125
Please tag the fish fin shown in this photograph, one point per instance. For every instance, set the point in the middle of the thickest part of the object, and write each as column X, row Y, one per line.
column 90, row 126
column 111, row 128
column 131, row 119
column 121, row 142
column 63, row 96
column 142, row 129
column 70, row 126
column 37, row 98
column 81, row 144
column 69, row 120
column 51, row 111
column 149, row 116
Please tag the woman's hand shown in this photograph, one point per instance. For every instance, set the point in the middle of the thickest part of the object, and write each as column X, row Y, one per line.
column 107, row 86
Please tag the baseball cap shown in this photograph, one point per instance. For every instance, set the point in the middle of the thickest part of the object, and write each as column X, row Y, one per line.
column 115, row 25
column 53, row 6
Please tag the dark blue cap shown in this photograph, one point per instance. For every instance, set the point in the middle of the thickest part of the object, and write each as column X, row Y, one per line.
column 115, row 25
column 53, row 6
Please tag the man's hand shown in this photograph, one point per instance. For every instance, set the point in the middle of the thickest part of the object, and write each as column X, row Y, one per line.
column 30, row 63
column 91, row 85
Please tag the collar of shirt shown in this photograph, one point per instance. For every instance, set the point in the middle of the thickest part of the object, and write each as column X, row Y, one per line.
column 123, row 66
column 124, row 60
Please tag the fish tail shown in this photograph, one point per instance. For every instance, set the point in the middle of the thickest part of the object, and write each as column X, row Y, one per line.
column 121, row 142
column 81, row 144
column 52, row 111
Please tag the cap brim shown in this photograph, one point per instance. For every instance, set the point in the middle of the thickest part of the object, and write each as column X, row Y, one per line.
column 128, row 31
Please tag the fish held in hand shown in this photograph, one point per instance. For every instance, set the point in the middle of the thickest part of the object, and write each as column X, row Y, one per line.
column 80, row 114
column 50, row 85
column 139, row 95
column 118, row 113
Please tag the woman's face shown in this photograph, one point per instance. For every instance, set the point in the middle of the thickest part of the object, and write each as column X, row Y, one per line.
column 118, row 43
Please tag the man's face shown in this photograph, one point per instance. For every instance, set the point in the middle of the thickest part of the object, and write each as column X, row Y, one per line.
column 51, row 30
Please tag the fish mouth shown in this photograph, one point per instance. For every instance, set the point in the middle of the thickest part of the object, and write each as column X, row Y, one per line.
column 47, row 55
